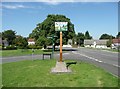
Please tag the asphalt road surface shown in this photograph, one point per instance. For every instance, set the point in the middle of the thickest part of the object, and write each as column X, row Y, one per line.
column 104, row 59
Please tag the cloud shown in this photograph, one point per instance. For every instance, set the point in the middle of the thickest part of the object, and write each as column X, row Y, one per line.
column 17, row 6
column 54, row 2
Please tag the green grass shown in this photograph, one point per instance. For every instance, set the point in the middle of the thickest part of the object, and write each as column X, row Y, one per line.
column 0, row 76
column 22, row 52
column 19, row 52
column 36, row 73
column 112, row 50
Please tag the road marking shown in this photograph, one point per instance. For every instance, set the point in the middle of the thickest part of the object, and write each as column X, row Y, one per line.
column 64, row 54
column 94, row 59
column 116, row 65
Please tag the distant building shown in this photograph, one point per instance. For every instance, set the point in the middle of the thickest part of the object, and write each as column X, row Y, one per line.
column 5, row 43
column 31, row 41
column 69, row 41
column 95, row 43
column 115, row 43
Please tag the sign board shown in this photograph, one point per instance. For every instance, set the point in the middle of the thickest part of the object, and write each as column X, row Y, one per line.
column 61, row 26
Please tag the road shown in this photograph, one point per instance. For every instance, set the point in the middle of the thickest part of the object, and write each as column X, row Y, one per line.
column 104, row 59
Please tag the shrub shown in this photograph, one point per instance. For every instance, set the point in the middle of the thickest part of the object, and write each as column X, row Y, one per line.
column 11, row 47
column 39, row 47
column 34, row 47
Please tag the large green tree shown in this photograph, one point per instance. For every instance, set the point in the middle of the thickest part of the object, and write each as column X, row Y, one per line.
column 87, row 35
column 47, row 28
column 9, row 35
column 106, row 36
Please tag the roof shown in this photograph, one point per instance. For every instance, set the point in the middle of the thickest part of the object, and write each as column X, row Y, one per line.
column 31, row 40
column 98, row 42
column 116, row 40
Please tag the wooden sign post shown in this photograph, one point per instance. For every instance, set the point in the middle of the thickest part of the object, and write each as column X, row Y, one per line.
column 60, row 65
column 60, row 46
column 61, row 26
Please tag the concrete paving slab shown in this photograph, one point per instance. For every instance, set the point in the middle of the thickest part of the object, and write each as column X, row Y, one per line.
column 60, row 68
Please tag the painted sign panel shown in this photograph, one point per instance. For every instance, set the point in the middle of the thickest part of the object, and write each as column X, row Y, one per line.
column 61, row 26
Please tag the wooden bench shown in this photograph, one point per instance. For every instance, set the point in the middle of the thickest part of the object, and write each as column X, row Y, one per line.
column 48, row 54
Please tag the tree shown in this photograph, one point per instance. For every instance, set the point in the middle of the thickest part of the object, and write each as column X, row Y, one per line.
column 118, row 35
column 42, row 41
column 47, row 28
column 9, row 35
column 20, row 41
column 80, row 38
column 106, row 36
column 109, row 42
column 87, row 35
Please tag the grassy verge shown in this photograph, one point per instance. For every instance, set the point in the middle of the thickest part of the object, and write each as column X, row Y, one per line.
column 37, row 74
column 111, row 50
column 22, row 52
column 19, row 52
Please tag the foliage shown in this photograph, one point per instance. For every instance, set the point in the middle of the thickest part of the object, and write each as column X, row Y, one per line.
column 80, row 38
column 109, row 43
column 106, row 36
column 11, row 47
column 42, row 41
column 118, row 35
column 20, row 42
column 47, row 28
column 87, row 35
column 34, row 47
column 9, row 35
column 0, row 35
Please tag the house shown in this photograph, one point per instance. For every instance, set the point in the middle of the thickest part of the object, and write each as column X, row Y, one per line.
column 5, row 43
column 31, row 41
column 115, row 43
column 95, row 43
column 69, row 41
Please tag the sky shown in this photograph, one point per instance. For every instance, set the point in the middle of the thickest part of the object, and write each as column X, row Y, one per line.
column 96, row 17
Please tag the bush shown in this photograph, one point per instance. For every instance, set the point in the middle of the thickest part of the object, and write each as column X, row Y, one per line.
column 34, row 47
column 49, row 50
column 12, row 47
column 82, row 45
column 39, row 47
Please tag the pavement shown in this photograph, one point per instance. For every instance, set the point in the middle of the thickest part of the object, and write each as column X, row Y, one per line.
column 104, row 59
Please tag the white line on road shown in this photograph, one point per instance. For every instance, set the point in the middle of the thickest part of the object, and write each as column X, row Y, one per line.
column 64, row 54
column 93, row 58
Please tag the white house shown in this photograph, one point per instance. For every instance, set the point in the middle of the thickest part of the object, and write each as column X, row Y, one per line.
column 31, row 41
column 95, row 43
